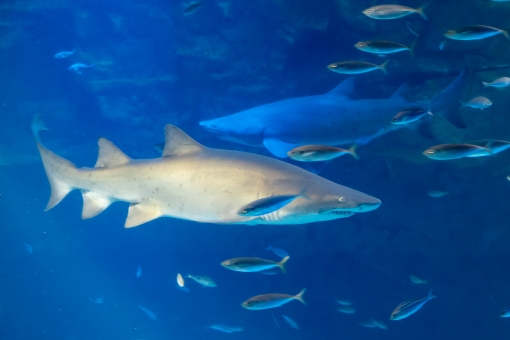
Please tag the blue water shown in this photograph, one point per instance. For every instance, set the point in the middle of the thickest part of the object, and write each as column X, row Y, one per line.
column 155, row 66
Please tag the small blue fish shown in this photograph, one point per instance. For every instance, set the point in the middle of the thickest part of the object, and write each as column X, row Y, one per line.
column 139, row 271
column 225, row 328
column 64, row 54
column 278, row 251
column 410, row 307
column 79, row 67
column 266, row 205
column 28, row 248
column 148, row 312
column 291, row 322
column 266, row 301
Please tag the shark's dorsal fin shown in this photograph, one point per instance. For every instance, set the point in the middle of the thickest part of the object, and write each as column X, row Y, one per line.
column 178, row 143
column 345, row 88
column 401, row 91
column 110, row 155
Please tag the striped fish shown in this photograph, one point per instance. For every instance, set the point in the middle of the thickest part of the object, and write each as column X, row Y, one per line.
column 410, row 307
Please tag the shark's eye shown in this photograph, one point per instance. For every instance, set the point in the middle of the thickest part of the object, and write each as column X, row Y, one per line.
column 341, row 199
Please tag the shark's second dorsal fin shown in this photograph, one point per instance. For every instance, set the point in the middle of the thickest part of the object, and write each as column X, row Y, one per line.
column 178, row 143
column 345, row 88
column 401, row 92
column 110, row 155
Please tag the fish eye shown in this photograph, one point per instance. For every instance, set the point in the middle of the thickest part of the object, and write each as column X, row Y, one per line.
column 341, row 199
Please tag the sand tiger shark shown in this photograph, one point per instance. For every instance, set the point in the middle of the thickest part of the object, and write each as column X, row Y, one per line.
column 193, row 182
column 334, row 118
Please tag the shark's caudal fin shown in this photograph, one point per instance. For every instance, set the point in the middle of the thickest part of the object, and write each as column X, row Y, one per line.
column 57, row 168
column 446, row 102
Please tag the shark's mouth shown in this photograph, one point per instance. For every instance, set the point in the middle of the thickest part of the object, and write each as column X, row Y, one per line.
column 339, row 213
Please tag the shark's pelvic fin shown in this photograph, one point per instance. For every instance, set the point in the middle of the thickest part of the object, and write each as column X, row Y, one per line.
column 55, row 166
column 345, row 88
column 110, row 155
column 178, row 143
column 93, row 204
column 141, row 213
column 278, row 147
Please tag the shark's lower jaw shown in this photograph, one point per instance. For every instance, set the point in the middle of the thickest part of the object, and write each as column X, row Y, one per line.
column 342, row 213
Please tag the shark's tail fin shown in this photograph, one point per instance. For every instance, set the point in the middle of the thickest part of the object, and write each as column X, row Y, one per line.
column 446, row 102
column 55, row 166
column 56, row 169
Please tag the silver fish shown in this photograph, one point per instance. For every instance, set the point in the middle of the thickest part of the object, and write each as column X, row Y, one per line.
column 266, row 301
column 386, row 12
column 225, row 328
column 205, row 281
column 383, row 47
column 500, row 82
column 479, row 102
column 435, row 193
column 79, row 67
column 356, row 67
column 417, row 280
column 454, row 151
column 253, row 264
column 410, row 307
column 346, row 310
column 474, row 32
column 410, row 115
column 320, row 153
column 64, row 54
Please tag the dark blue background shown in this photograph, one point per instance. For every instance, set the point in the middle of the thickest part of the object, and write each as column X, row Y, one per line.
column 155, row 66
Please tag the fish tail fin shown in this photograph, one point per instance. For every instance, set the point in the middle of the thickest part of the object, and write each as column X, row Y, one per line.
column 281, row 264
column 505, row 33
column 299, row 296
column 431, row 294
column 411, row 48
column 420, row 12
column 383, row 67
column 461, row 104
column 57, row 168
column 352, row 151
column 37, row 126
column 485, row 84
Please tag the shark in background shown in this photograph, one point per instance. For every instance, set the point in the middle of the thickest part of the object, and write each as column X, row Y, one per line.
column 334, row 118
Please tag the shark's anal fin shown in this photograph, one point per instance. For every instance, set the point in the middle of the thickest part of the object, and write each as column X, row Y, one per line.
column 110, row 155
column 142, row 213
column 278, row 147
column 178, row 143
column 93, row 204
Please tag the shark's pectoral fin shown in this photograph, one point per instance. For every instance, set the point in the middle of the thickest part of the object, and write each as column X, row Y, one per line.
column 110, row 155
column 178, row 143
column 278, row 147
column 93, row 204
column 142, row 213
